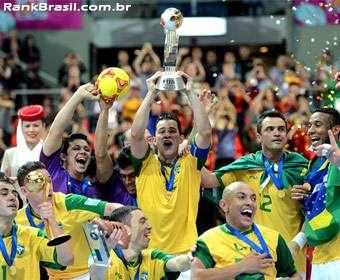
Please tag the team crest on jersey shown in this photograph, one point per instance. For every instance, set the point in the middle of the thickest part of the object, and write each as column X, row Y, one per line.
column 20, row 249
column 177, row 169
column 144, row 276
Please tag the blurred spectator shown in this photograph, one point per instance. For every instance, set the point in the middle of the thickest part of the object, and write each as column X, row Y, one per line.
column 5, row 73
column 245, row 61
column 211, row 67
column 131, row 104
column 123, row 58
column 71, row 59
column 29, row 50
column 229, row 57
column 134, row 81
column 277, row 73
column 12, row 44
column 187, row 120
column 227, row 76
column 16, row 79
column 256, row 78
column 6, row 112
column 49, row 107
column 146, row 54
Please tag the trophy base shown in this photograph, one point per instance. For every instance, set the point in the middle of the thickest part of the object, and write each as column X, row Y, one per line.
column 170, row 82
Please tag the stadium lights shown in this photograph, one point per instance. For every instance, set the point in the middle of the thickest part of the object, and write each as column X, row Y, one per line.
column 203, row 26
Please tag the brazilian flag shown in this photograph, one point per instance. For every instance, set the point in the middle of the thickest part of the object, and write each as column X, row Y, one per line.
column 324, row 225
column 294, row 167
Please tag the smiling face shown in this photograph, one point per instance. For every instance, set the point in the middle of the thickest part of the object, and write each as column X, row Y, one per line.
column 9, row 202
column 78, row 157
column 37, row 198
column 140, row 230
column 167, row 139
column 33, row 132
column 239, row 206
column 273, row 135
column 128, row 176
column 318, row 126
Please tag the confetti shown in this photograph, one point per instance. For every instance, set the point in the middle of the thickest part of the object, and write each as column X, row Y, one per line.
column 315, row 58
column 278, row 21
column 314, row 16
column 327, row 43
column 307, row 21
column 232, row 41
column 214, row 75
column 294, row 8
column 321, row 4
column 312, row 40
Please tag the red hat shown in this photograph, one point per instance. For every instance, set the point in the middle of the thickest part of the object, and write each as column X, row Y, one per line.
column 32, row 113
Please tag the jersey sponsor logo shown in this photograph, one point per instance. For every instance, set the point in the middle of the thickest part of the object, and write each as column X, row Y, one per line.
column 92, row 202
column 20, row 249
column 144, row 276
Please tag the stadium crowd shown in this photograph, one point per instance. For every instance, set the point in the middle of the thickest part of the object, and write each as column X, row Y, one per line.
column 202, row 158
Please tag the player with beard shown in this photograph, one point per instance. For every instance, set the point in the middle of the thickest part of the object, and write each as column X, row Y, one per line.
column 320, row 179
column 67, row 158
column 240, row 249
column 168, row 185
column 277, row 210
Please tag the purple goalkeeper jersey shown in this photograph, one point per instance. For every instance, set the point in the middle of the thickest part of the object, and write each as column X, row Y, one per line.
column 61, row 181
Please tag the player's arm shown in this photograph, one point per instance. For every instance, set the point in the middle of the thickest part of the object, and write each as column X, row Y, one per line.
column 252, row 263
column 182, row 262
column 110, row 207
column 64, row 251
column 208, row 179
column 53, row 140
column 204, row 131
column 104, row 162
column 298, row 242
column 139, row 146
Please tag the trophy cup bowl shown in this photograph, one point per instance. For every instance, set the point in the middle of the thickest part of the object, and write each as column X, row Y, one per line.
column 171, row 19
column 36, row 181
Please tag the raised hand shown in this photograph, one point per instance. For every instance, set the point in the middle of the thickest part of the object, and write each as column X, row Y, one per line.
column 208, row 100
column 337, row 80
column 151, row 82
column 300, row 192
column 331, row 151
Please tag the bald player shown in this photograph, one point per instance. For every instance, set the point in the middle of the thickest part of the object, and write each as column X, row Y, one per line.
column 239, row 248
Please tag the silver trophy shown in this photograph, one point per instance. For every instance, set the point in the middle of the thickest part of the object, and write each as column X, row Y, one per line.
column 171, row 19
column 97, row 245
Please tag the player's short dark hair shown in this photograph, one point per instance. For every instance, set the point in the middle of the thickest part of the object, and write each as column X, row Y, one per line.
column 123, row 214
column 124, row 159
column 270, row 114
column 334, row 115
column 66, row 141
column 168, row 117
column 6, row 181
column 27, row 168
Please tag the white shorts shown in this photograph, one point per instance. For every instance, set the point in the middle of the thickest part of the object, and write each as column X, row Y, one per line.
column 185, row 275
column 81, row 277
column 326, row 271
column 302, row 274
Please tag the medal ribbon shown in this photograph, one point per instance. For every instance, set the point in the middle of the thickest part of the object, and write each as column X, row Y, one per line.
column 245, row 239
column 30, row 219
column 84, row 187
column 14, row 248
column 277, row 181
column 134, row 202
column 169, row 185
column 312, row 174
column 121, row 256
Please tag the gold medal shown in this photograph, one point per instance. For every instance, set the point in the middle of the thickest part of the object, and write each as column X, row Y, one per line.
column 12, row 270
column 308, row 186
column 281, row 194
column 168, row 195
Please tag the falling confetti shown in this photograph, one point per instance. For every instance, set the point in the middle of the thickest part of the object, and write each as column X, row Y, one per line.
column 232, row 41
column 327, row 43
column 314, row 16
column 278, row 21
column 312, row 40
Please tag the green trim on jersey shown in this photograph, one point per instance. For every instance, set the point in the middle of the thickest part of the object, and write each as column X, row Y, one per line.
column 55, row 265
column 156, row 254
column 203, row 253
column 80, row 202
column 225, row 230
column 285, row 265
column 137, row 163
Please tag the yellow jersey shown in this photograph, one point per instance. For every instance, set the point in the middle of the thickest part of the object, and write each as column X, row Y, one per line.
column 151, row 267
column 218, row 248
column 274, row 212
column 32, row 251
column 71, row 211
column 172, row 215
